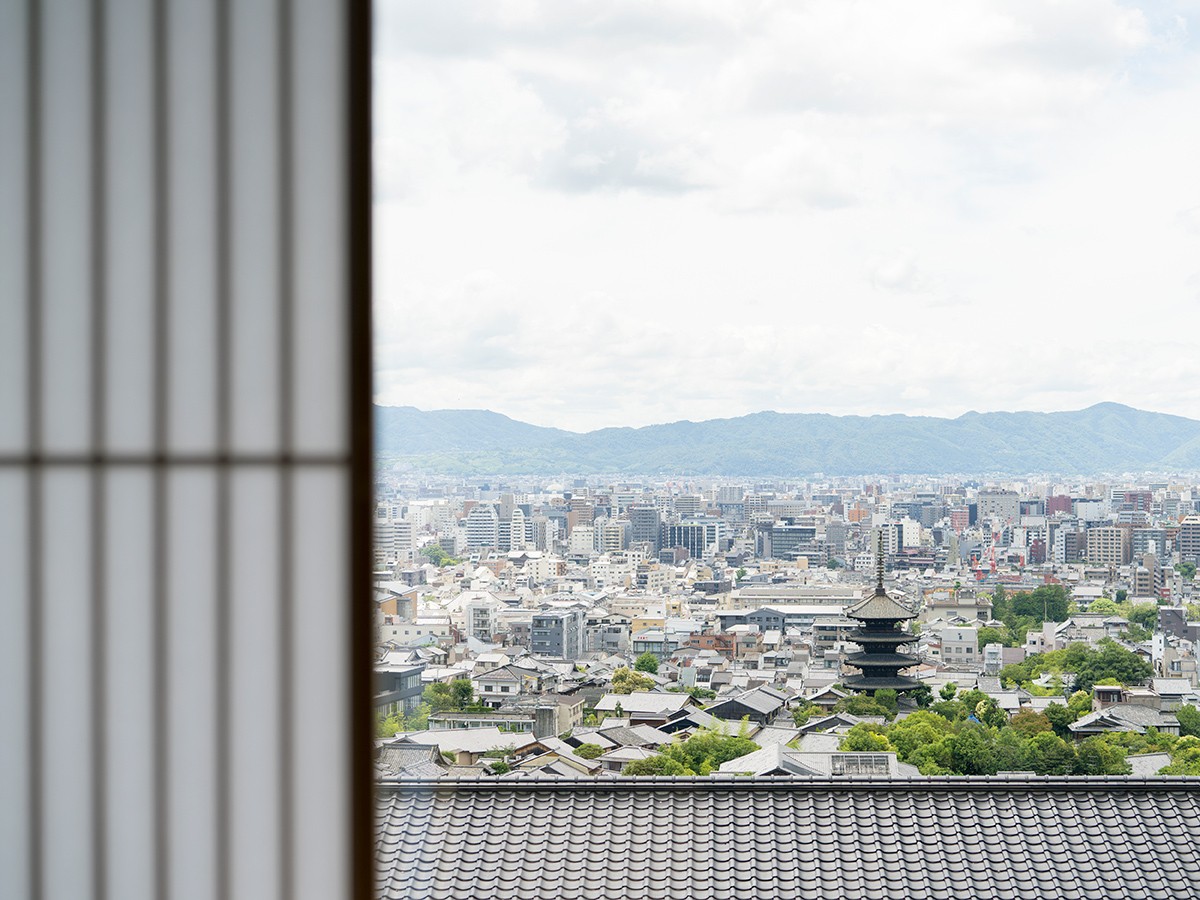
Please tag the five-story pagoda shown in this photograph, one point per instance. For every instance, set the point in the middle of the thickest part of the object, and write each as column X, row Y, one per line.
column 880, row 637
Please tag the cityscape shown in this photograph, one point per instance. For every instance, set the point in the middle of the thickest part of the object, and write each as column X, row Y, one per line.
column 890, row 626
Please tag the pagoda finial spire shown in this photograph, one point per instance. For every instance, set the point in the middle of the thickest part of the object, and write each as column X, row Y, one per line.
column 879, row 562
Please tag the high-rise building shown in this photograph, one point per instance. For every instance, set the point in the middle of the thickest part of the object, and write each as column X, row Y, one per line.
column 517, row 539
column 646, row 522
column 1148, row 540
column 1059, row 503
column 1108, row 546
column 483, row 526
column 687, row 505
column 1189, row 540
column 701, row 538
column 1002, row 505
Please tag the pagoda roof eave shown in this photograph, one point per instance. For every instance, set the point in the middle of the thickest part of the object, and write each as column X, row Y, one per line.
column 879, row 607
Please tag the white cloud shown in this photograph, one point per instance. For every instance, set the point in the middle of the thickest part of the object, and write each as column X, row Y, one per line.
column 604, row 213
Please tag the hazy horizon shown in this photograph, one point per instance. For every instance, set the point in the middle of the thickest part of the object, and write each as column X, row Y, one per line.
column 718, row 417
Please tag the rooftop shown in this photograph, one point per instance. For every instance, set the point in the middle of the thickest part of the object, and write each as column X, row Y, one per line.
column 728, row 837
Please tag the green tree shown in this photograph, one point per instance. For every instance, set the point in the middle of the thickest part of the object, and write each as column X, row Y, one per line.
column 1102, row 606
column 1189, row 721
column 1045, row 604
column 647, row 662
column 439, row 696
column 390, row 726
column 949, row 689
column 1121, row 595
column 658, row 764
column 1089, row 665
column 862, row 705
column 1187, row 570
column 439, row 557
column 990, row 634
column 951, row 710
column 588, row 751
column 1098, row 756
column 861, row 739
column 988, row 712
column 1144, row 614
column 387, row 726
column 1111, row 660
column 972, row 751
column 462, row 693
column 626, row 681
column 740, row 574
column 1059, row 718
column 1000, row 606
column 1136, row 633
column 1028, row 723
column 1185, row 757
column 888, row 699
column 1011, row 750
column 1048, row 754
column 701, row 754
column 805, row 711
column 1080, row 704
column 970, row 699
column 933, row 758
column 921, row 695
column 500, row 768
column 915, row 731
column 707, row 749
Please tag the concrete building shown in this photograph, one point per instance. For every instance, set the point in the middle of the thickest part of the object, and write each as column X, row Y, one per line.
column 787, row 541
column 1108, row 545
column 646, row 525
column 582, row 539
column 1188, row 542
column 1148, row 540
column 1002, row 505
column 558, row 633
column 613, row 535
column 960, row 646
column 701, row 538
column 398, row 684
column 483, row 526
column 482, row 620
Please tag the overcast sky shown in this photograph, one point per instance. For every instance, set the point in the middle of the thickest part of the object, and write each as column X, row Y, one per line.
column 620, row 213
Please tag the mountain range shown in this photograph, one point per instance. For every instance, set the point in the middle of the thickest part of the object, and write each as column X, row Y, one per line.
column 1105, row 438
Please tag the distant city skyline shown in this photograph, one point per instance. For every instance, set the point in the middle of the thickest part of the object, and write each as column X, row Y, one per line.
column 593, row 215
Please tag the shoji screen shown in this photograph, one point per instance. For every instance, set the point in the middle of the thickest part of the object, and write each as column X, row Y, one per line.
column 184, row 449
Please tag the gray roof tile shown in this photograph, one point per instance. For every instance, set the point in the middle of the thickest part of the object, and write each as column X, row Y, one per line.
column 714, row 838
column 703, row 839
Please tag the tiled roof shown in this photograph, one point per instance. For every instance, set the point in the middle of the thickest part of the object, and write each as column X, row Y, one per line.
column 637, row 736
column 776, row 734
column 644, row 702
column 412, row 760
column 709, row 838
column 879, row 606
column 1123, row 717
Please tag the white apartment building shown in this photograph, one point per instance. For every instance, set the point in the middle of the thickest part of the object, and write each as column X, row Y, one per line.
column 483, row 526
column 960, row 646
column 582, row 539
